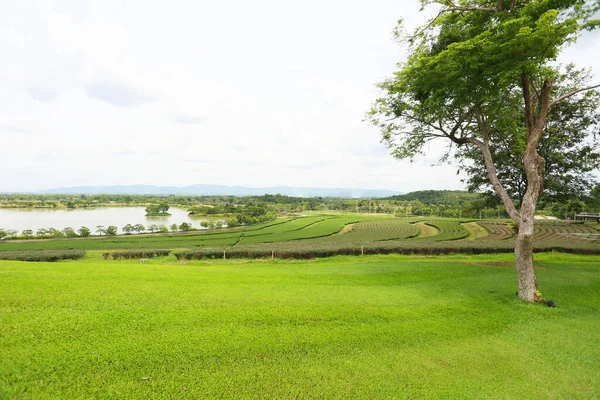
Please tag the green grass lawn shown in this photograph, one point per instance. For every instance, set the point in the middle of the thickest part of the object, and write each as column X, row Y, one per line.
column 342, row 328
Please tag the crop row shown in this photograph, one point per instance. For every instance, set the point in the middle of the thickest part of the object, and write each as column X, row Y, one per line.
column 497, row 230
column 314, row 227
column 564, row 231
column 449, row 229
column 374, row 231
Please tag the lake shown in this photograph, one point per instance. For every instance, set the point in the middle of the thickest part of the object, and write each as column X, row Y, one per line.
column 35, row 219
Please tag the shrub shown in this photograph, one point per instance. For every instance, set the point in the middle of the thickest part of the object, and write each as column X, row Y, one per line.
column 44, row 255
column 132, row 254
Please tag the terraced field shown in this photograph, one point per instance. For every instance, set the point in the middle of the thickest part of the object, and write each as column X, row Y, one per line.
column 301, row 229
column 346, row 232
column 475, row 230
column 374, row 231
column 561, row 231
column 426, row 230
column 498, row 230
column 449, row 229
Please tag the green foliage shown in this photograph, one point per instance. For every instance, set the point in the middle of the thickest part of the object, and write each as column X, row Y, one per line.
column 474, row 77
column 452, row 197
column 100, row 230
column 139, row 228
column 84, row 231
column 185, row 227
column 68, row 232
column 207, row 210
column 111, row 230
column 570, row 145
column 248, row 214
column 231, row 222
column 161, row 208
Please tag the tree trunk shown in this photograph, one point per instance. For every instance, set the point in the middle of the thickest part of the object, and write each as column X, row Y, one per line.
column 524, row 259
column 535, row 121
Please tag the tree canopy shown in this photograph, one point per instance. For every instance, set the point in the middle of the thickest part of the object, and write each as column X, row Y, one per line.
column 569, row 144
column 482, row 75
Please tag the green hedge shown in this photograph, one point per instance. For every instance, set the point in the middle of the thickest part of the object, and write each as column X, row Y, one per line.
column 44, row 255
column 300, row 251
column 117, row 255
column 329, row 252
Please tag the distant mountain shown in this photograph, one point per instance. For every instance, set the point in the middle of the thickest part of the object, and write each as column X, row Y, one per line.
column 220, row 190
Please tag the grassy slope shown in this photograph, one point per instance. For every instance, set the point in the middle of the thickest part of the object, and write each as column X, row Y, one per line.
column 345, row 327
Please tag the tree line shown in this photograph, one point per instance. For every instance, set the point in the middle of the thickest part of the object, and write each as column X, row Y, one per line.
column 252, row 209
column 101, row 230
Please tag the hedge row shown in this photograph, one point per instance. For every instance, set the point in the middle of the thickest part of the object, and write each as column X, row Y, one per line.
column 308, row 252
column 117, row 255
column 43, row 255
column 323, row 252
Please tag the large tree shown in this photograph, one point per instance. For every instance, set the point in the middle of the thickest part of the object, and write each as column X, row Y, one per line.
column 464, row 66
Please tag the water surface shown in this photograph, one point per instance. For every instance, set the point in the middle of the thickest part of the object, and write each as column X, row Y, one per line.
column 35, row 219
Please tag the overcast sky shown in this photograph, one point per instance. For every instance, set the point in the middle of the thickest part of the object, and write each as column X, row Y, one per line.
column 253, row 93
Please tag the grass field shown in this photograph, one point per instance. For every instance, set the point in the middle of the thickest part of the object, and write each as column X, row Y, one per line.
column 338, row 328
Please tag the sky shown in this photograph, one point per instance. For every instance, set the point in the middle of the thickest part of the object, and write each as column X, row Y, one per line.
column 260, row 93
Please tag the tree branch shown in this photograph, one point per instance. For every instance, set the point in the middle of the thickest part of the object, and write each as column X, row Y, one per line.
column 529, row 118
column 566, row 96
column 544, row 107
column 458, row 8
column 532, row 161
column 537, row 92
column 493, row 177
column 453, row 7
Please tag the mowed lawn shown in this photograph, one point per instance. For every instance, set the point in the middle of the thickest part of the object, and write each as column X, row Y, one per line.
column 340, row 328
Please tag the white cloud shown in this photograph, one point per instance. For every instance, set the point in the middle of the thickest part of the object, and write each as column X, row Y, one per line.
column 117, row 93
column 256, row 93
